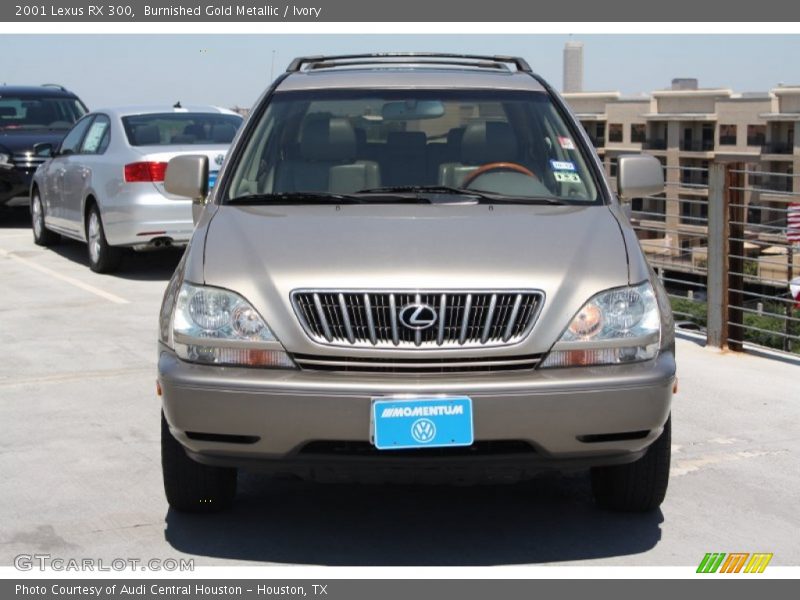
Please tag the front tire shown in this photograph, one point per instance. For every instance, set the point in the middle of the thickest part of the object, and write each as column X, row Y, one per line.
column 42, row 236
column 639, row 486
column 189, row 485
column 102, row 257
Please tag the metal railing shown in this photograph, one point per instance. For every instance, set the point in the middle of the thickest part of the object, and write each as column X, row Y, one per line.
column 697, row 145
column 777, row 148
column 656, row 144
column 727, row 259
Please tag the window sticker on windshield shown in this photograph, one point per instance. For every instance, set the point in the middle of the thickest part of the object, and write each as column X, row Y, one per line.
column 566, row 143
column 567, row 177
column 562, row 165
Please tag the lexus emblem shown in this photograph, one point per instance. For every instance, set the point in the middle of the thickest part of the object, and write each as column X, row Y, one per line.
column 418, row 316
column 218, row 159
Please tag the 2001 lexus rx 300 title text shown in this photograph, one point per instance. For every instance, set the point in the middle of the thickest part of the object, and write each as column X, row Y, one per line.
column 412, row 268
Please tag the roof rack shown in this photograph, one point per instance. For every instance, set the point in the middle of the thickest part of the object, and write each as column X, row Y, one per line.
column 55, row 85
column 393, row 58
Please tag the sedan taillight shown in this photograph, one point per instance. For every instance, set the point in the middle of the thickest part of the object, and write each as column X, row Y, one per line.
column 145, row 171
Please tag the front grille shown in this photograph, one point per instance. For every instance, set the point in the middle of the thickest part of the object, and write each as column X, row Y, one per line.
column 416, row 365
column 26, row 160
column 387, row 318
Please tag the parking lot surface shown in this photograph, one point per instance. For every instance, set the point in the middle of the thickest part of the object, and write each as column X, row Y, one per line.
column 80, row 463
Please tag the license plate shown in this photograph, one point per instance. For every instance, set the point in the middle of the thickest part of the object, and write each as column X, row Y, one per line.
column 417, row 422
column 212, row 179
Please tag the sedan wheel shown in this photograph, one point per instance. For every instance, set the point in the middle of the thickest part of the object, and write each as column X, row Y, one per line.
column 102, row 257
column 41, row 235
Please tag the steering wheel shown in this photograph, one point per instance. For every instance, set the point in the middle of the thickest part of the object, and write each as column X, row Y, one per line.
column 497, row 166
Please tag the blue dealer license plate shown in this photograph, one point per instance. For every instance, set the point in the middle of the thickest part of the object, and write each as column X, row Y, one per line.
column 403, row 422
column 212, row 178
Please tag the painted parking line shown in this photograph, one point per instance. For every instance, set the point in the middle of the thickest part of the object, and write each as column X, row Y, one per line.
column 65, row 278
column 59, row 378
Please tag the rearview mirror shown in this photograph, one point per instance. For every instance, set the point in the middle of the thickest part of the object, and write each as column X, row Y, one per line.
column 639, row 175
column 187, row 176
column 411, row 110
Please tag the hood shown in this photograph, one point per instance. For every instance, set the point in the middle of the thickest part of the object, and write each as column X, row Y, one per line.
column 264, row 253
column 16, row 140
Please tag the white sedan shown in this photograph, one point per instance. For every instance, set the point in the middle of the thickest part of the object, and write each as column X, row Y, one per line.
column 104, row 184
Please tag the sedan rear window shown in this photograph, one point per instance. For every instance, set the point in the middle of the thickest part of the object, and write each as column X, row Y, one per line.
column 167, row 129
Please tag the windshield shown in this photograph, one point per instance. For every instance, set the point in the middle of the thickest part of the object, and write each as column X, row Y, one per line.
column 37, row 112
column 498, row 142
column 165, row 129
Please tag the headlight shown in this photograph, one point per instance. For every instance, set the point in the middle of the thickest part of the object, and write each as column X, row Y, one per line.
column 5, row 159
column 616, row 326
column 216, row 326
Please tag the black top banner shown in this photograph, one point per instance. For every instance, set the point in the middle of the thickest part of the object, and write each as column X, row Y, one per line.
column 407, row 11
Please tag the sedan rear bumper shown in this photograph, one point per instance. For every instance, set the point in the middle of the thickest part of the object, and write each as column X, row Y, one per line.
column 140, row 214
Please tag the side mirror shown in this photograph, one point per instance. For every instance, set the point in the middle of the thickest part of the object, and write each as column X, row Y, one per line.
column 639, row 175
column 187, row 176
column 43, row 150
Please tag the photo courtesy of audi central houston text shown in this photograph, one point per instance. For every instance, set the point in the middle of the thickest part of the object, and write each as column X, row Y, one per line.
column 360, row 299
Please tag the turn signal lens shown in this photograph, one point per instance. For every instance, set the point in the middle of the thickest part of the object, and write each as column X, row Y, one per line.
column 587, row 322
column 247, row 357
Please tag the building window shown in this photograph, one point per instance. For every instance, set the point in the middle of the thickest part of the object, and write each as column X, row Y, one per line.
column 615, row 132
column 727, row 135
column 756, row 135
column 638, row 133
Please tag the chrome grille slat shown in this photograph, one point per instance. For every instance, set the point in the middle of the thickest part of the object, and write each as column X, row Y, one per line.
column 348, row 329
column 373, row 336
column 465, row 320
column 393, row 315
column 371, row 318
column 442, row 314
column 513, row 319
column 323, row 320
column 489, row 315
column 418, row 332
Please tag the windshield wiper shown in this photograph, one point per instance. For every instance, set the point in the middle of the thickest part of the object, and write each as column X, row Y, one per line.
column 422, row 189
column 297, row 198
column 478, row 195
column 323, row 198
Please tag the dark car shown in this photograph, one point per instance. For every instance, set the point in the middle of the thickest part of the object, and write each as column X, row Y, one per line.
column 31, row 115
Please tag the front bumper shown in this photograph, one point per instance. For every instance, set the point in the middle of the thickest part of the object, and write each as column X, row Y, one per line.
column 281, row 414
column 14, row 186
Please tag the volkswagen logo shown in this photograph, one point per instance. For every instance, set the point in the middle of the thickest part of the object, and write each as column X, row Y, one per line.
column 218, row 159
column 423, row 430
column 418, row 316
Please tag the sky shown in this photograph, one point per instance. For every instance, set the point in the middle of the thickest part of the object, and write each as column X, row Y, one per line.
column 233, row 70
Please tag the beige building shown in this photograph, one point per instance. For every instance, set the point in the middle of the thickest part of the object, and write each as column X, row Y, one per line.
column 686, row 128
